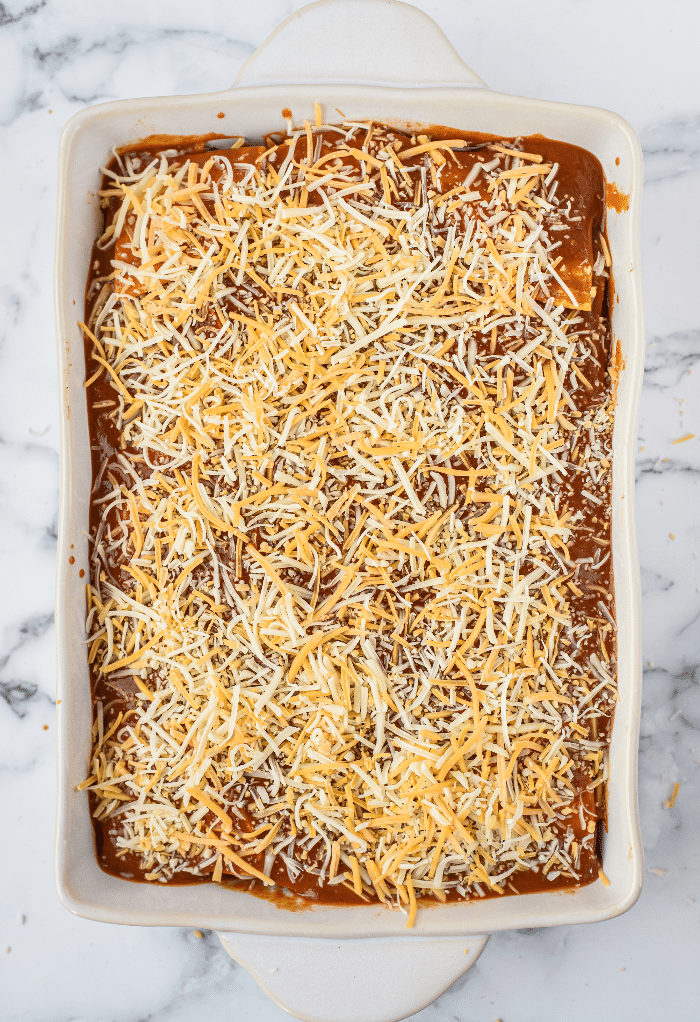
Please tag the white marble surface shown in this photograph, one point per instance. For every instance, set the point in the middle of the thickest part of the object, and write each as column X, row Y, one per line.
column 637, row 57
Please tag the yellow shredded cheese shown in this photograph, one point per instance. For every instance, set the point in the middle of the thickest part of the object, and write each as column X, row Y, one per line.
column 330, row 572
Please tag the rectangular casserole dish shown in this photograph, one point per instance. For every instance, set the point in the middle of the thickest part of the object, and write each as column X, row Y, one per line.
column 447, row 93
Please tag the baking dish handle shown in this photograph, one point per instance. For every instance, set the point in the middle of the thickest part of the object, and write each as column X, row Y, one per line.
column 358, row 42
column 380, row 979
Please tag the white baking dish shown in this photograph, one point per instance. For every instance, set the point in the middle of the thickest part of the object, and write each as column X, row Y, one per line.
column 367, row 58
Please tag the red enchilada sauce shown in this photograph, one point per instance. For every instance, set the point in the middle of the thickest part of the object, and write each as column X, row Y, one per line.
column 565, row 204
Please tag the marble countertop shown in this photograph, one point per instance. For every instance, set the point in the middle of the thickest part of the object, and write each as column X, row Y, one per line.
column 639, row 59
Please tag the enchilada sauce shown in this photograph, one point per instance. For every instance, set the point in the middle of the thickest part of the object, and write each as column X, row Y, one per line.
column 582, row 185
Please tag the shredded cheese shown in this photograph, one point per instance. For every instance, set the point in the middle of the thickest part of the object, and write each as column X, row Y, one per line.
column 332, row 559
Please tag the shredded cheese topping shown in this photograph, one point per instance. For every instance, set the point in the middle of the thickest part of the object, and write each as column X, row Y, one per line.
column 332, row 575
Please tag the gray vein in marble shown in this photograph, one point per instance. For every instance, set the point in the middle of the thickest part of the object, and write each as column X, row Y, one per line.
column 7, row 17
column 653, row 582
column 16, row 694
column 666, row 467
column 669, row 357
column 87, row 72
column 671, row 149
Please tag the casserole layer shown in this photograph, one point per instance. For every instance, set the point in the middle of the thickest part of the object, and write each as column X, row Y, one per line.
column 371, row 635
